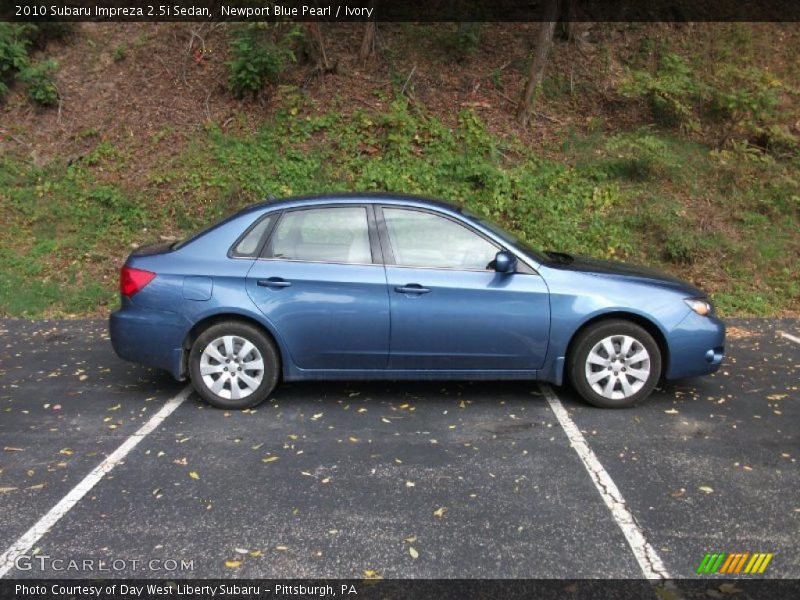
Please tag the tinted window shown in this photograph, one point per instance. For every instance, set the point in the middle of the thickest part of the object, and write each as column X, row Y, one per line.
column 421, row 239
column 338, row 234
column 249, row 244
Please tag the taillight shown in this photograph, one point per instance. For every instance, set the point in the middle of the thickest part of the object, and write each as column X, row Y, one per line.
column 133, row 280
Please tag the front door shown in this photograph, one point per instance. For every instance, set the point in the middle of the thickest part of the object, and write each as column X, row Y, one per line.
column 449, row 308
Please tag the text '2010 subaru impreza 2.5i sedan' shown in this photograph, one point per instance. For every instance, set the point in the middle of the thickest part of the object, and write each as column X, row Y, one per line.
column 393, row 287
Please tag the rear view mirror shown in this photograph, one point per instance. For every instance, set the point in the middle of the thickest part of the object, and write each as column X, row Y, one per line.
column 505, row 262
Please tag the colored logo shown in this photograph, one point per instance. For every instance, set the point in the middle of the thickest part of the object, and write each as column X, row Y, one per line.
column 734, row 564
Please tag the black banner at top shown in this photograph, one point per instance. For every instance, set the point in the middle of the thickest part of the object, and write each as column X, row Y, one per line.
column 398, row 10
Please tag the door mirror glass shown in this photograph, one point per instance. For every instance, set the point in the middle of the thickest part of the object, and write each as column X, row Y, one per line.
column 505, row 262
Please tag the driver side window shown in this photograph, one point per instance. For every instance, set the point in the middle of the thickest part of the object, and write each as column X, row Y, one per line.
column 422, row 239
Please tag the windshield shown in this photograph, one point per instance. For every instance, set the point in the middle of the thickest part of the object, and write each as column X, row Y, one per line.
column 509, row 237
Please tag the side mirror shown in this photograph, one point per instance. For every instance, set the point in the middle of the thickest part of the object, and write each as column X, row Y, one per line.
column 505, row 262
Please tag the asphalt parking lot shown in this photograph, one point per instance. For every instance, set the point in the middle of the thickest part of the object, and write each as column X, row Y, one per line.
column 413, row 480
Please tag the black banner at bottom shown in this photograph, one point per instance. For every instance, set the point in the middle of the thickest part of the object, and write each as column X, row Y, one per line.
column 398, row 589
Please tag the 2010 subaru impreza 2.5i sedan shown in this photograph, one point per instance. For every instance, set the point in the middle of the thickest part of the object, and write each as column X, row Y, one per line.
column 393, row 287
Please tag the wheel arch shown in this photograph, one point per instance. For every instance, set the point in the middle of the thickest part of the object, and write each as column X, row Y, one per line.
column 210, row 320
column 648, row 325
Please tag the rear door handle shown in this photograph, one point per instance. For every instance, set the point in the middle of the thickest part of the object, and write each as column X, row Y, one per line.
column 411, row 288
column 273, row 282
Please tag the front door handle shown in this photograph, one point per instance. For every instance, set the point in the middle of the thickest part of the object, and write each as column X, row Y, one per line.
column 411, row 288
column 273, row 282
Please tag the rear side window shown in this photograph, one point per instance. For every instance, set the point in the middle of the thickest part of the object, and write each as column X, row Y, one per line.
column 336, row 234
column 251, row 241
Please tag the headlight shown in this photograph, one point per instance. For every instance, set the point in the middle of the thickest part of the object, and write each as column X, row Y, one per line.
column 700, row 305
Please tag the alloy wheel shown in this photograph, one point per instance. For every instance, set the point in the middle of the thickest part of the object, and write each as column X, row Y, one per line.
column 232, row 367
column 617, row 367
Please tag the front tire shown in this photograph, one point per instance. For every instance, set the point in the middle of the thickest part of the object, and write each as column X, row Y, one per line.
column 233, row 365
column 614, row 364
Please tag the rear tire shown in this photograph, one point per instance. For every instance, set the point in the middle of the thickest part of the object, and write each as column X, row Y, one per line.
column 233, row 365
column 614, row 364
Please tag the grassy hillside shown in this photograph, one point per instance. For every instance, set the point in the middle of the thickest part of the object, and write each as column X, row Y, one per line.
column 641, row 150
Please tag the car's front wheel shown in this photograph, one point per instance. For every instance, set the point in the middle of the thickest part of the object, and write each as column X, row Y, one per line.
column 233, row 365
column 614, row 364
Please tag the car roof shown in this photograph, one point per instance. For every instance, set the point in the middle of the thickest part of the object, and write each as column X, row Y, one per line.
column 354, row 198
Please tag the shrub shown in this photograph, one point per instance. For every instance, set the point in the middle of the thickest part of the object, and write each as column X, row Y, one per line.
column 260, row 54
column 16, row 41
column 671, row 92
column 40, row 87
column 13, row 54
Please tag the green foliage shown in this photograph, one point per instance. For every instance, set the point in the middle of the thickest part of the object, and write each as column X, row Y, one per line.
column 640, row 155
column 16, row 41
column 13, row 54
column 120, row 52
column 40, row 87
column 672, row 92
column 746, row 99
column 261, row 53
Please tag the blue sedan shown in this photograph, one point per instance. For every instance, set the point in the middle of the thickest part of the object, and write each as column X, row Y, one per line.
column 395, row 287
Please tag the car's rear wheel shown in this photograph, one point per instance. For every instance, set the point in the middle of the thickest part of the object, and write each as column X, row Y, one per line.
column 614, row 364
column 233, row 365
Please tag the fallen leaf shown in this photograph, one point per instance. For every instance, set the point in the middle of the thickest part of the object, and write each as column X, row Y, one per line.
column 370, row 574
column 194, row 475
column 413, row 552
column 12, row 449
column 3, row 490
column 706, row 489
column 410, row 484
column 233, row 564
column 269, row 459
column 66, row 451
column 671, row 411
column 439, row 512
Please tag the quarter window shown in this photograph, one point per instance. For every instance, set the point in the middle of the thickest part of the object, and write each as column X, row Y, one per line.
column 421, row 239
column 338, row 235
column 248, row 245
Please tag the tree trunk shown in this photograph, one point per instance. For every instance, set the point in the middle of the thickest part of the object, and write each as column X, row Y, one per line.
column 316, row 45
column 544, row 41
column 368, row 41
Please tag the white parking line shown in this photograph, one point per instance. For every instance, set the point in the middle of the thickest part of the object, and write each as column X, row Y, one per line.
column 645, row 554
column 789, row 336
column 43, row 525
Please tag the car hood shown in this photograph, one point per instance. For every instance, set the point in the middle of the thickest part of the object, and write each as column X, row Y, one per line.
column 585, row 264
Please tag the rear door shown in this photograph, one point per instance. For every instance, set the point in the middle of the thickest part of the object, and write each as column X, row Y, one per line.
column 450, row 309
column 321, row 282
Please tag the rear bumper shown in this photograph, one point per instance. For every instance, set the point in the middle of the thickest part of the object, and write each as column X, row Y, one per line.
column 697, row 347
column 149, row 337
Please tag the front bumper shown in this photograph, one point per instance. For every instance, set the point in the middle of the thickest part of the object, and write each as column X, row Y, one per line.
column 149, row 337
column 696, row 347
